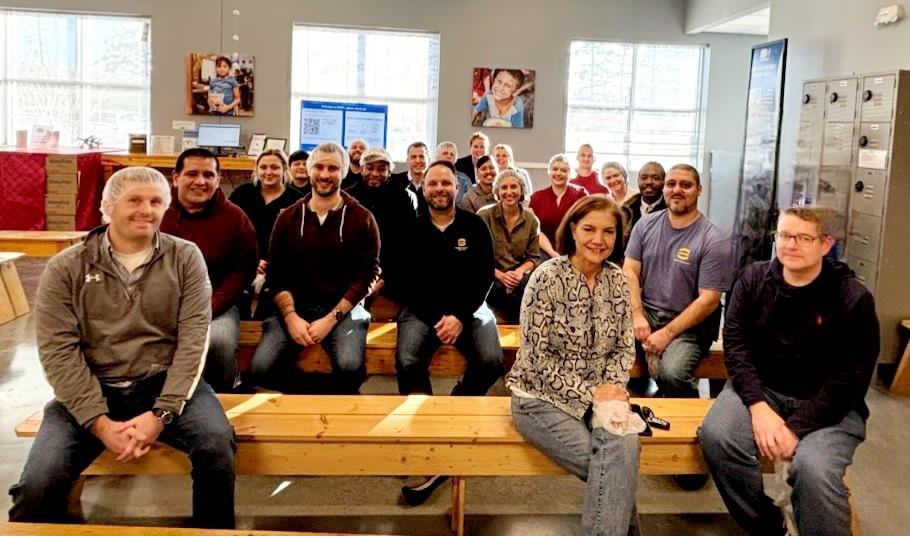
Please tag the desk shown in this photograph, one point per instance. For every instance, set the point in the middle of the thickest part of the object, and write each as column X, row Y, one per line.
column 23, row 181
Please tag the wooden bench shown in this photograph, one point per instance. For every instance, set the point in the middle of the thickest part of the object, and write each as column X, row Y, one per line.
column 13, row 302
column 39, row 243
column 900, row 385
column 447, row 361
column 380, row 435
column 44, row 529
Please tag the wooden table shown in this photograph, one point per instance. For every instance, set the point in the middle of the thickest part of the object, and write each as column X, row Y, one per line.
column 13, row 302
column 39, row 243
column 113, row 161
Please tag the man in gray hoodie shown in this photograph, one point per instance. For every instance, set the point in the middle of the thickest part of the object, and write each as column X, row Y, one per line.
column 122, row 323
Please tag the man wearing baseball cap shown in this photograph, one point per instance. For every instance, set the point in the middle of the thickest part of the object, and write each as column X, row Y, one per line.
column 395, row 210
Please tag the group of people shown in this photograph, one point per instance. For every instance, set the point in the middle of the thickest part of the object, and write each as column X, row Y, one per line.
column 138, row 324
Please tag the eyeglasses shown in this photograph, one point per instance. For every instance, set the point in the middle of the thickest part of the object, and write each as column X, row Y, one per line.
column 800, row 238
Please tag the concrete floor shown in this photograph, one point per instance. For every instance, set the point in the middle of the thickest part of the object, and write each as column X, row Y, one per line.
column 879, row 479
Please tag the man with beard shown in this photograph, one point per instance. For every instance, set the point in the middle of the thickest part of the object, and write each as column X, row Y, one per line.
column 444, row 301
column 678, row 264
column 412, row 179
column 448, row 151
column 395, row 211
column 355, row 151
column 324, row 257
column 480, row 145
column 650, row 196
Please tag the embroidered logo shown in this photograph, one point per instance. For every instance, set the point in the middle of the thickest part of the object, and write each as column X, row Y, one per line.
column 682, row 254
column 461, row 244
column 92, row 278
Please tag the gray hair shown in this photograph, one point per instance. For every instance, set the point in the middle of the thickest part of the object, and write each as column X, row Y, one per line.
column 329, row 147
column 511, row 173
column 118, row 183
column 618, row 167
column 556, row 158
column 445, row 144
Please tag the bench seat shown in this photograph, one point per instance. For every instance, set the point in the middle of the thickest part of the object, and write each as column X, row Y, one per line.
column 47, row 529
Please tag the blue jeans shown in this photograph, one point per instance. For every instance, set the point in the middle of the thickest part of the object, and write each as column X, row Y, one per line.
column 820, row 498
column 608, row 463
column 675, row 377
column 275, row 361
column 221, row 360
column 479, row 343
column 63, row 449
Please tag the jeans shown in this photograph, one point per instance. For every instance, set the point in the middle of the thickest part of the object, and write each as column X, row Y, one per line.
column 221, row 360
column 275, row 361
column 820, row 497
column 63, row 449
column 675, row 377
column 479, row 343
column 608, row 463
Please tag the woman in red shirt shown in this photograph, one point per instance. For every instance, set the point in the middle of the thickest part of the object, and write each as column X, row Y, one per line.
column 550, row 204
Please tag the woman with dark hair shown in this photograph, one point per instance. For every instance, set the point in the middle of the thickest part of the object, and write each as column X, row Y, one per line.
column 575, row 353
column 516, row 243
column 262, row 200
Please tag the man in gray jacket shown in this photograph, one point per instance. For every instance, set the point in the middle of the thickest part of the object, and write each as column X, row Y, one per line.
column 122, row 324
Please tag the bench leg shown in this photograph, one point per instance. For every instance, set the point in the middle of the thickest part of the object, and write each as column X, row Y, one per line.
column 74, row 501
column 900, row 385
column 458, row 494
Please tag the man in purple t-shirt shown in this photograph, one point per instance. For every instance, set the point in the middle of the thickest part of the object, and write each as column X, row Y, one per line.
column 678, row 264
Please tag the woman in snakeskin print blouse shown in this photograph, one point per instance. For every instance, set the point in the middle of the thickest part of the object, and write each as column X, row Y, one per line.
column 577, row 348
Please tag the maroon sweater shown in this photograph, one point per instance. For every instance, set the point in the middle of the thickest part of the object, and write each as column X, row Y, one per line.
column 321, row 263
column 228, row 243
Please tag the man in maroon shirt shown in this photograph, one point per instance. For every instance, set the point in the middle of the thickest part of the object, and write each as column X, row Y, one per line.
column 323, row 260
column 201, row 214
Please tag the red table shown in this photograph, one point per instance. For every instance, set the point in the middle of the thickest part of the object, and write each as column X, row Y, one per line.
column 23, row 185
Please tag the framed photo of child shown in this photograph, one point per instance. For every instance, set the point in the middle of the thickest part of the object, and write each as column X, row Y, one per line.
column 502, row 97
column 218, row 84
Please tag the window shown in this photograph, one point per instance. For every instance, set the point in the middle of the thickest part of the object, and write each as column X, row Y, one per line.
column 636, row 102
column 400, row 69
column 84, row 75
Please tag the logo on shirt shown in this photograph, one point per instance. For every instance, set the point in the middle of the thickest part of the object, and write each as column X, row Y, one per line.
column 461, row 244
column 682, row 254
column 89, row 278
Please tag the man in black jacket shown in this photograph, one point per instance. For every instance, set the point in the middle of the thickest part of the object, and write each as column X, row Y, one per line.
column 801, row 340
column 650, row 196
column 395, row 210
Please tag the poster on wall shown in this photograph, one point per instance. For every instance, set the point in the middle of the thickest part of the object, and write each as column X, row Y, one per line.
column 219, row 85
column 502, row 97
column 756, row 211
column 342, row 123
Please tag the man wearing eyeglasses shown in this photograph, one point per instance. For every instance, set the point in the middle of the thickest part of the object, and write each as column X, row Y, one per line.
column 677, row 265
column 801, row 340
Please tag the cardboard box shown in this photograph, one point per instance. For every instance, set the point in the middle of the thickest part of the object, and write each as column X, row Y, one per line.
column 60, row 204
column 59, row 164
column 57, row 222
column 67, row 183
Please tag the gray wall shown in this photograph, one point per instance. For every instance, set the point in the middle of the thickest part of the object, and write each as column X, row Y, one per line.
column 702, row 13
column 539, row 41
column 829, row 38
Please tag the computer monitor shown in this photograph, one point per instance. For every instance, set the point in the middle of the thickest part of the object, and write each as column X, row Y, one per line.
column 218, row 135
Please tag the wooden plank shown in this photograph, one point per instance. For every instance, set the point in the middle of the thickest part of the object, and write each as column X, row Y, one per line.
column 13, row 284
column 39, row 243
column 42, row 529
column 7, row 311
column 900, row 385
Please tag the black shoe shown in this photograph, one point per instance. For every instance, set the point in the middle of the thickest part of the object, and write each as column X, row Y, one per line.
column 691, row 482
column 417, row 495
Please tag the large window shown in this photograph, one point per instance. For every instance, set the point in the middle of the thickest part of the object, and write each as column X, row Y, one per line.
column 84, row 75
column 400, row 69
column 636, row 102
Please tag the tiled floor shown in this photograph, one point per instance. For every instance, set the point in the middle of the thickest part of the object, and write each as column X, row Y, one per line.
column 497, row 506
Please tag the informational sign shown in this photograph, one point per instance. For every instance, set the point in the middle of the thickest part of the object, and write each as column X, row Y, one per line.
column 342, row 123
column 757, row 202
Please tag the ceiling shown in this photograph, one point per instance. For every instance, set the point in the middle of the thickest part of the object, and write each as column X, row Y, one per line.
column 755, row 23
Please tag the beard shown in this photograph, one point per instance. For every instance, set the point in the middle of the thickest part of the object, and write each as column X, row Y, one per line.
column 441, row 202
column 323, row 190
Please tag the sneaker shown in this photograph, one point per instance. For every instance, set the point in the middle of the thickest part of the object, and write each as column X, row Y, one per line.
column 417, row 495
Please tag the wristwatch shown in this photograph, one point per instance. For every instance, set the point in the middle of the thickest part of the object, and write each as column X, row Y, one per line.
column 166, row 417
column 338, row 315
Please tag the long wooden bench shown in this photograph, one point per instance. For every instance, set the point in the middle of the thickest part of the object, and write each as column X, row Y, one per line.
column 380, row 435
column 39, row 243
column 447, row 361
column 46, row 529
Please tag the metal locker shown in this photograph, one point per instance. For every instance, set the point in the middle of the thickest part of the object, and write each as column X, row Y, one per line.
column 875, row 136
column 863, row 240
column 877, row 98
column 866, row 272
column 841, row 103
column 868, row 195
column 837, row 148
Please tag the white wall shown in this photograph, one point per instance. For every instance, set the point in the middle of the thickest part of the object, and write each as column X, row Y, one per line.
column 703, row 13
